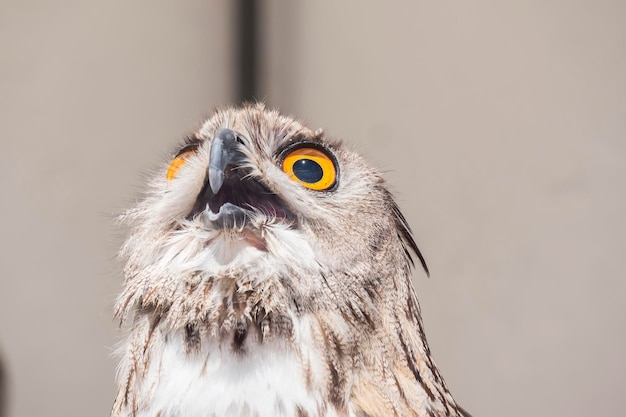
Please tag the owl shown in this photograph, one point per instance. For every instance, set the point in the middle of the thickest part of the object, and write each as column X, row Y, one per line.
column 268, row 274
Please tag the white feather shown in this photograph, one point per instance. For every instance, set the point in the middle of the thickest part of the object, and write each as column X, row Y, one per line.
column 268, row 381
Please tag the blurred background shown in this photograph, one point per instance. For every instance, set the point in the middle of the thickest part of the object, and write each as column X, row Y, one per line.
column 501, row 127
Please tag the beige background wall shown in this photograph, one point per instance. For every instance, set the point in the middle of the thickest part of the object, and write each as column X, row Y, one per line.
column 501, row 126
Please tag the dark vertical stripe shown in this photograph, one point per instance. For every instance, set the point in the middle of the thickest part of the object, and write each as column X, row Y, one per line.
column 241, row 331
column 247, row 27
column 192, row 338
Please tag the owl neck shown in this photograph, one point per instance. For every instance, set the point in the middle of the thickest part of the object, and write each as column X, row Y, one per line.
column 319, row 371
column 365, row 351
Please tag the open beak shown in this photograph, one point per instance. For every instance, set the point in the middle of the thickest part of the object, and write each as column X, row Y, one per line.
column 230, row 196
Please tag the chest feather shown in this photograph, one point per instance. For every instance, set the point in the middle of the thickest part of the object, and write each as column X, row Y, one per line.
column 260, row 380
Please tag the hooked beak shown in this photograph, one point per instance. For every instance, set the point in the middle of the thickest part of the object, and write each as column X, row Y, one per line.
column 224, row 154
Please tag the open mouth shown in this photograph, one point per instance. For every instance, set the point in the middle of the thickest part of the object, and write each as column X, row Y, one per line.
column 230, row 197
column 238, row 201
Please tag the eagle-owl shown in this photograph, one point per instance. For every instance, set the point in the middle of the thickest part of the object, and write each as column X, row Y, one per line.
column 268, row 275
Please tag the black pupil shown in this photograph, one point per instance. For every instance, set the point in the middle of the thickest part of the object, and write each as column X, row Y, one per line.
column 308, row 171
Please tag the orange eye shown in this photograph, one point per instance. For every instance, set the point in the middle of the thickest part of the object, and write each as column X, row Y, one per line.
column 311, row 167
column 178, row 162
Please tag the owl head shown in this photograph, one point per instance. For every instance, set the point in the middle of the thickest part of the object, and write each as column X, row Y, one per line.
column 253, row 190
